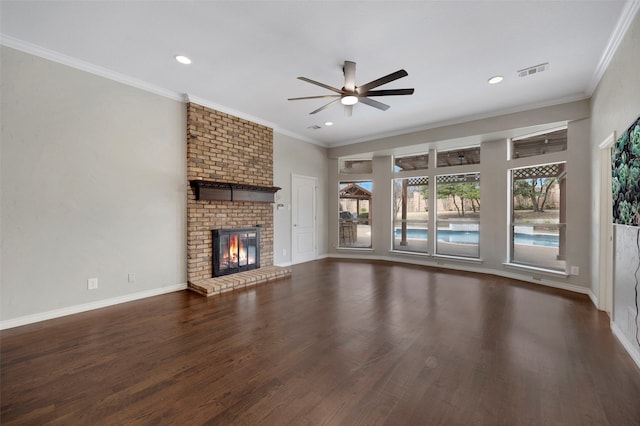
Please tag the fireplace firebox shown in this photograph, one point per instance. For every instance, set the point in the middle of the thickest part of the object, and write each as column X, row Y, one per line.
column 235, row 250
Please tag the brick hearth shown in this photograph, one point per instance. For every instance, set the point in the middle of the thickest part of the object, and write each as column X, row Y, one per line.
column 217, row 285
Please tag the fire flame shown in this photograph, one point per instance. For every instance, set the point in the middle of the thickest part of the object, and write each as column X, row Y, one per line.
column 237, row 251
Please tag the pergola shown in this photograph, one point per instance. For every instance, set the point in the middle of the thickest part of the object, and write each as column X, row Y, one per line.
column 353, row 191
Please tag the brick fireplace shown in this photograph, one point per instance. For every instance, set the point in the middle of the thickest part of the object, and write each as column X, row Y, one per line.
column 224, row 148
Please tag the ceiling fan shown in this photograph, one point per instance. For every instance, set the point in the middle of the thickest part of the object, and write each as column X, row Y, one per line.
column 351, row 94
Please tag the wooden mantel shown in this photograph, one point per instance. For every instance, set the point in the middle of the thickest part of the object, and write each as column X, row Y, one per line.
column 226, row 191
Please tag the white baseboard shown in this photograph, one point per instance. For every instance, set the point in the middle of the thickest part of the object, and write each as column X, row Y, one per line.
column 594, row 299
column 631, row 348
column 468, row 267
column 318, row 257
column 57, row 313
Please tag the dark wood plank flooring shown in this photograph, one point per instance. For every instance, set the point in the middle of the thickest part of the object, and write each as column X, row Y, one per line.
column 340, row 342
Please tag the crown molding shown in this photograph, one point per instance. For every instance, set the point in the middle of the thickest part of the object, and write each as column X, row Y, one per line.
column 468, row 119
column 626, row 17
column 300, row 137
column 63, row 59
column 72, row 62
column 207, row 103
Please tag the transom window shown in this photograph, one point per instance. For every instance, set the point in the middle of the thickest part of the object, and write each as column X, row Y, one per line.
column 411, row 162
column 459, row 157
column 546, row 143
column 354, row 167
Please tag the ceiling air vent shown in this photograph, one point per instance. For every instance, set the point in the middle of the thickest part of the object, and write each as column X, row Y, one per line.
column 533, row 70
column 314, row 127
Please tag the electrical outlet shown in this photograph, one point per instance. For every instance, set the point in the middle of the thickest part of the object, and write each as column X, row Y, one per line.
column 92, row 283
column 575, row 270
column 132, row 277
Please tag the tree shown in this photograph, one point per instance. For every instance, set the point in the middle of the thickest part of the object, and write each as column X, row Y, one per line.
column 537, row 190
column 449, row 190
column 424, row 190
column 471, row 192
column 397, row 190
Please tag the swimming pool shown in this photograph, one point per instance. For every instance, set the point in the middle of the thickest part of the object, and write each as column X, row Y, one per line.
column 472, row 237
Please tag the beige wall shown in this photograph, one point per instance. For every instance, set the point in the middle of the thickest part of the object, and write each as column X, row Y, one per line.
column 292, row 156
column 614, row 106
column 93, row 185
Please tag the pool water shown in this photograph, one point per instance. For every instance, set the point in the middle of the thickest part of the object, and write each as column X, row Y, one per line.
column 472, row 237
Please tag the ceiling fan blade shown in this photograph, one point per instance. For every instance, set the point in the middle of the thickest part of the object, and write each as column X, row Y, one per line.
column 382, row 80
column 333, row 89
column 325, row 106
column 348, row 110
column 392, row 92
column 349, row 70
column 374, row 104
column 314, row 97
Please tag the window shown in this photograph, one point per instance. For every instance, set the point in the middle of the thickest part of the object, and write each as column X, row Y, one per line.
column 538, row 215
column 354, row 167
column 412, row 162
column 459, row 157
column 411, row 214
column 458, row 215
column 355, row 217
column 546, row 143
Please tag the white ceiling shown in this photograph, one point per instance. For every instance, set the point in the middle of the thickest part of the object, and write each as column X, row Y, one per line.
column 247, row 55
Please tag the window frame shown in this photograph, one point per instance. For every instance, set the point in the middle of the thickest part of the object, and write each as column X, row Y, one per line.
column 561, row 225
column 394, row 220
column 438, row 252
column 346, row 226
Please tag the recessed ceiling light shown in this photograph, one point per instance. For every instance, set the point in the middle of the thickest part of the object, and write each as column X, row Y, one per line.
column 328, row 123
column 183, row 59
column 496, row 79
column 349, row 100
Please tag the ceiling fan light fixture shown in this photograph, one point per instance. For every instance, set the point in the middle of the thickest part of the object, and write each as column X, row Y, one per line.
column 183, row 59
column 349, row 100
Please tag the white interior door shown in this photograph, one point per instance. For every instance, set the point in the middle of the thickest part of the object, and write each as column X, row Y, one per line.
column 605, row 274
column 303, row 218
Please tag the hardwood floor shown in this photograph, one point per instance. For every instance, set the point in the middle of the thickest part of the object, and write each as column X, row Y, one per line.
column 340, row 342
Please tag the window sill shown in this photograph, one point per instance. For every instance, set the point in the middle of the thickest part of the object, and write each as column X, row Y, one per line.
column 354, row 248
column 536, row 269
column 410, row 253
column 461, row 258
